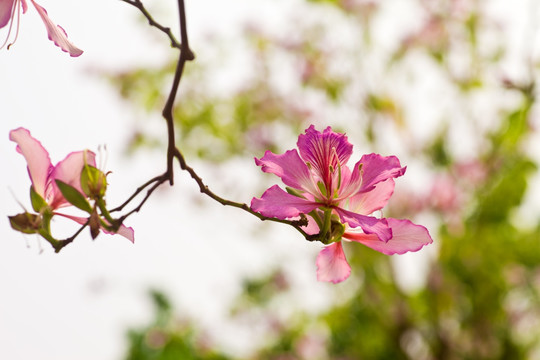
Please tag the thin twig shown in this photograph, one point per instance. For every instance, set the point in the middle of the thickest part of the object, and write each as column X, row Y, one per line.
column 297, row 224
column 146, row 197
column 139, row 5
column 59, row 245
column 158, row 179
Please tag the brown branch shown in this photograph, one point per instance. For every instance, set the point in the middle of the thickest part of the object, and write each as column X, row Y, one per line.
column 297, row 224
column 59, row 244
column 139, row 5
column 185, row 55
column 158, row 179
column 172, row 151
column 164, row 178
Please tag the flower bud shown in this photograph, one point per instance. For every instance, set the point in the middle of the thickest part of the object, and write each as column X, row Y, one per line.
column 93, row 182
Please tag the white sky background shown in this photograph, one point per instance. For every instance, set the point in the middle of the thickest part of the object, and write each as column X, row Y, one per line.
column 79, row 303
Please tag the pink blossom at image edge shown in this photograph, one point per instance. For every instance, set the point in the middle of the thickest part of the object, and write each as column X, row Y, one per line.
column 43, row 174
column 10, row 15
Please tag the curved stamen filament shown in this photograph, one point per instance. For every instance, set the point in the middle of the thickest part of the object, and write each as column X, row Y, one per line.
column 16, row 7
column 332, row 172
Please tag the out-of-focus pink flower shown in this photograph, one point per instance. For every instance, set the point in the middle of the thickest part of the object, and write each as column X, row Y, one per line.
column 338, row 201
column 433, row 35
column 444, row 195
column 472, row 171
column 44, row 174
column 10, row 12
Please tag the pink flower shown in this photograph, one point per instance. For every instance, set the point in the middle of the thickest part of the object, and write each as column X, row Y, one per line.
column 10, row 11
column 338, row 201
column 44, row 174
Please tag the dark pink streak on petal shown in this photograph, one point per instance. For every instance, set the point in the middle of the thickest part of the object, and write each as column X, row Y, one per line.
column 56, row 33
column 367, row 202
column 37, row 158
column 68, row 171
column 369, row 224
column 332, row 266
column 279, row 204
column 6, row 9
column 289, row 167
column 377, row 168
column 318, row 150
column 406, row 237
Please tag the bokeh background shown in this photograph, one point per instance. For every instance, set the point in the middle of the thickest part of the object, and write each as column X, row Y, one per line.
column 448, row 86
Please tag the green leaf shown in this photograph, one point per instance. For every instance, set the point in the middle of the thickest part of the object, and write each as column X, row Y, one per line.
column 38, row 203
column 74, row 197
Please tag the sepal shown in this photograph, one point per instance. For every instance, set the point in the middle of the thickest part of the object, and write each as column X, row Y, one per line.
column 38, row 202
column 94, row 224
column 26, row 222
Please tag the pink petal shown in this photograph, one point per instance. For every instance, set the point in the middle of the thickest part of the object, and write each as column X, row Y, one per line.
column 124, row 231
column 377, row 168
column 312, row 227
column 69, row 171
column 369, row 224
column 279, row 204
column 368, row 202
column 56, row 33
column 406, row 237
column 332, row 265
column 323, row 151
column 37, row 158
column 289, row 167
column 6, row 9
column 316, row 148
column 351, row 183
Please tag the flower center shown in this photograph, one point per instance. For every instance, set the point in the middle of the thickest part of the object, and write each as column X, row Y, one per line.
column 333, row 176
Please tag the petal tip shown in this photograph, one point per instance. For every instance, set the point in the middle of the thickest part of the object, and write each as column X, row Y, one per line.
column 332, row 266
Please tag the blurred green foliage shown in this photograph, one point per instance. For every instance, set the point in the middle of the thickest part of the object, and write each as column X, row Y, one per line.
column 481, row 297
column 167, row 338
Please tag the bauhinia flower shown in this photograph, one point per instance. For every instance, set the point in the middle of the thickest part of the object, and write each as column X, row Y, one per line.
column 10, row 12
column 338, row 201
column 45, row 178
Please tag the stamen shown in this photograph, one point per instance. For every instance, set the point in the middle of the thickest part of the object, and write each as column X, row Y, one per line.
column 334, row 154
column 16, row 7
column 103, row 157
column 339, row 176
column 17, row 200
column 322, row 188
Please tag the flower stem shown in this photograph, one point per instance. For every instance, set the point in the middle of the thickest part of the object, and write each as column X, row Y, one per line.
column 327, row 222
